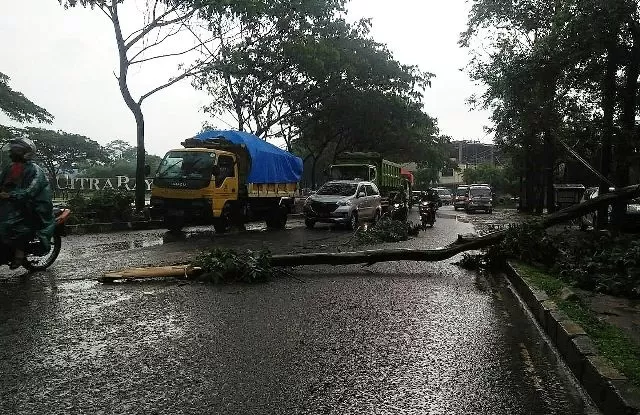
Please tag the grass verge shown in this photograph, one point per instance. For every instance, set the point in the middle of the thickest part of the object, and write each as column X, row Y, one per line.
column 612, row 342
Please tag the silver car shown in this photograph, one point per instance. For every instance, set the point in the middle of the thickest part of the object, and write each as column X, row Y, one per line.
column 343, row 202
column 479, row 198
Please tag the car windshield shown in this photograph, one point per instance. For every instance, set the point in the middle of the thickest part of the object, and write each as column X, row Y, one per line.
column 480, row 192
column 462, row 191
column 186, row 165
column 338, row 189
column 350, row 173
column 443, row 192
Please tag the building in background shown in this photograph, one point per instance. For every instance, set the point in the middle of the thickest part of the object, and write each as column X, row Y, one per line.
column 467, row 154
column 464, row 154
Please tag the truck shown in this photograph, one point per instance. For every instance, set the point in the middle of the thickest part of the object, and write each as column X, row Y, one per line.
column 225, row 178
column 388, row 176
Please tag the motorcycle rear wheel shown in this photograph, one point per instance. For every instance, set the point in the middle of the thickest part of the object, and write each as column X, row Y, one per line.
column 40, row 263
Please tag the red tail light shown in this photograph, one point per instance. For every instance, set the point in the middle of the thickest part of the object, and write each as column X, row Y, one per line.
column 63, row 216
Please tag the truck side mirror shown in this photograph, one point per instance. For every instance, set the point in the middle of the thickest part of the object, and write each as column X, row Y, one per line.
column 215, row 171
column 147, row 170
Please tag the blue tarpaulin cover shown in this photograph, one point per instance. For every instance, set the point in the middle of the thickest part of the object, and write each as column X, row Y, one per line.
column 269, row 164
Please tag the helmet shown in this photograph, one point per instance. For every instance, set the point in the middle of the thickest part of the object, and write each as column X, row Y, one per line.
column 23, row 143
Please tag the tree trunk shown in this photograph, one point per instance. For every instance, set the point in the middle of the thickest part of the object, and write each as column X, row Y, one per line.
column 550, row 79
column 313, row 172
column 530, row 173
column 380, row 255
column 141, row 185
column 608, row 107
column 134, row 106
column 549, row 163
column 625, row 144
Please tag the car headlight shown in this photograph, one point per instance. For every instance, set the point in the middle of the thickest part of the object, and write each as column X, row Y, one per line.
column 344, row 202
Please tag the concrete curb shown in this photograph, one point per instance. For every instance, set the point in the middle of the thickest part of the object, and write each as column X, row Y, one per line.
column 608, row 388
column 82, row 229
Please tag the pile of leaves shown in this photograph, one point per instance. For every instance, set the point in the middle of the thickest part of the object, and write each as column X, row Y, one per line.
column 594, row 260
column 222, row 266
column 386, row 230
column 602, row 262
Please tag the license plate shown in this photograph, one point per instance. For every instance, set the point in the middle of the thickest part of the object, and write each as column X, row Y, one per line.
column 175, row 212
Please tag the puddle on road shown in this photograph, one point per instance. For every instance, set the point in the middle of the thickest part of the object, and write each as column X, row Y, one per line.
column 89, row 245
column 126, row 245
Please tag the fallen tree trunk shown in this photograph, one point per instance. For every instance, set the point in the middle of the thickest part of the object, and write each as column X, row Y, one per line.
column 380, row 255
column 461, row 245
column 576, row 211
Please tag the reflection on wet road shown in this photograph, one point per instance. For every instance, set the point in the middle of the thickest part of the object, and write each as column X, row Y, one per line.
column 394, row 338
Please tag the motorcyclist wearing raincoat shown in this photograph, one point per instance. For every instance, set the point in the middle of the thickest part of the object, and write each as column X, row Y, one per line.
column 26, row 207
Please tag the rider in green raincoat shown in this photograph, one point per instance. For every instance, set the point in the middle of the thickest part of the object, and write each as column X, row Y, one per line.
column 26, row 208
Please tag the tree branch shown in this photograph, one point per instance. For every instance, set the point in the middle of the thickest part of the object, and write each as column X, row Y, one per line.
column 165, row 55
column 158, row 22
column 154, row 44
column 179, row 78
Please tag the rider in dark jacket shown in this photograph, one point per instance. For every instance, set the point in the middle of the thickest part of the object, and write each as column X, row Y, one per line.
column 26, row 208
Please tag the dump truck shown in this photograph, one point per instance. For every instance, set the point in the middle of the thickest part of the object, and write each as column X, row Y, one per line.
column 387, row 175
column 225, row 177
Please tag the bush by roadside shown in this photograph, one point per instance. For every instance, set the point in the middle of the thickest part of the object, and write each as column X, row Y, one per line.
column 101, row 207
column 591, row 260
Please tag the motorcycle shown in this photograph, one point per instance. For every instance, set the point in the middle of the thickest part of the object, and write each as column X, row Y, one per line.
column 399, row 211
column 427, row 213
column 37, row 258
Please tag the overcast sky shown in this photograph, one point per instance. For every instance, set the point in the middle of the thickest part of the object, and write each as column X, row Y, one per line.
column 64, row 61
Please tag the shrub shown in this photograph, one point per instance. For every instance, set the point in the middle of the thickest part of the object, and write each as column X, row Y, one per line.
column 104, row 206
column 111, row 205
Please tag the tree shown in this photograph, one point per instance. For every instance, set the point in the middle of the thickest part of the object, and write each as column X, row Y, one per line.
column 120, row 149
column 365, row 120
column 257, row 68
column 161, row 22
column 59, row 151
column 120, row 161
column 501, row 179
column 18, row 107
column 554, row 71
column 294, row 62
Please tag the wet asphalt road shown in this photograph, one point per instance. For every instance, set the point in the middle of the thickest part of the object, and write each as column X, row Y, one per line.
column 393, row 338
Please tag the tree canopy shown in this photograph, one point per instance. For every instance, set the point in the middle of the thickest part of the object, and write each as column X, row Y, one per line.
column 59, row 151
column 558, row 72
column 18, row 107
column 322, row 85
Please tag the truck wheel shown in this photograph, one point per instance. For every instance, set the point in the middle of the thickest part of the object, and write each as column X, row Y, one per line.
column 221, row 225
column 173, row 223
column 277, row 219
column 309, row 223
